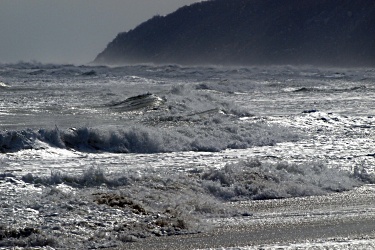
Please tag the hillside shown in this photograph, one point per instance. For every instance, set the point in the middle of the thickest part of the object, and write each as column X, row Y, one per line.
column 321, row 32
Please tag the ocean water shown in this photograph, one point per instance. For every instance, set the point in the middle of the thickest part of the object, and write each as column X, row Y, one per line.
column 102, row 157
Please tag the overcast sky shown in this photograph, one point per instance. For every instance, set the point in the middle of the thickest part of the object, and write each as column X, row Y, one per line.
column 70, row 31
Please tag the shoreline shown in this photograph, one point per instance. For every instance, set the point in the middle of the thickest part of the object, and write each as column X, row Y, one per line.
column 333, row 218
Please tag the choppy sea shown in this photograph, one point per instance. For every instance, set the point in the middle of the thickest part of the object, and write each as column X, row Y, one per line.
column 102, row 157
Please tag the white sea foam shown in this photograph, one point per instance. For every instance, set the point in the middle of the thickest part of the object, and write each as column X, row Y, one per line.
column 146, row 139
column 153, row 202
column 75, row 172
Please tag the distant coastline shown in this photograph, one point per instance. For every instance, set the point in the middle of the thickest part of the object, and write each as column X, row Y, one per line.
column 253, row 32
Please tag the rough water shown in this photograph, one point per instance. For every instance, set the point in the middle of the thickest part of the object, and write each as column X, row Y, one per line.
column 100, row 157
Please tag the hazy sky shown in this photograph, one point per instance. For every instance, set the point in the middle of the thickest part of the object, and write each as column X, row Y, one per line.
column 70, row 31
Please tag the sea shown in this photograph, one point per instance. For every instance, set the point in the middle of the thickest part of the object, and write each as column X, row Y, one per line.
column 112, row 157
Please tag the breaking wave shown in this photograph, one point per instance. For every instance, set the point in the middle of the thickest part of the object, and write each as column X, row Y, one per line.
column 255, row 180
column 147, row 139
column 166, row 202
column 244, row 180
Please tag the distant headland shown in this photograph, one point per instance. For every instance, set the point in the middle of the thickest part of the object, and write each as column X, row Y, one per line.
column 253, row 32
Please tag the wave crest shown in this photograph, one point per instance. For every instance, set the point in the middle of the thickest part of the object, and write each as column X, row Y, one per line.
column 257, row 180
column 144, row 139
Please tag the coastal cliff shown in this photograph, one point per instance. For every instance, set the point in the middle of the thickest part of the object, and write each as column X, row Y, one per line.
column 250, row 32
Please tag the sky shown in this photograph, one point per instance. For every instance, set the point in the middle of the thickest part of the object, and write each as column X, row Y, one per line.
column 70, row 31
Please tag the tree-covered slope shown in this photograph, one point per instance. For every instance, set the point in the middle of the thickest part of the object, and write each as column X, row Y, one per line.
column 325, row 32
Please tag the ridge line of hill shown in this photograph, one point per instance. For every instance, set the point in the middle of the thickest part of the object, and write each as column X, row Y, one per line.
column 246, row 32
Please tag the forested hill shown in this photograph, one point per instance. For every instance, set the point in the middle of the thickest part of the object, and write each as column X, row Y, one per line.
column 320, row 32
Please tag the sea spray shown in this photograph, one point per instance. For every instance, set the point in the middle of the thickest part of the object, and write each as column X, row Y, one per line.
column 255, row 180
column 213, row 135
column 129, row 205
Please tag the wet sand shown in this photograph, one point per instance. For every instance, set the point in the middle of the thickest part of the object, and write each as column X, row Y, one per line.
column 331, row 218
column 282, row 234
